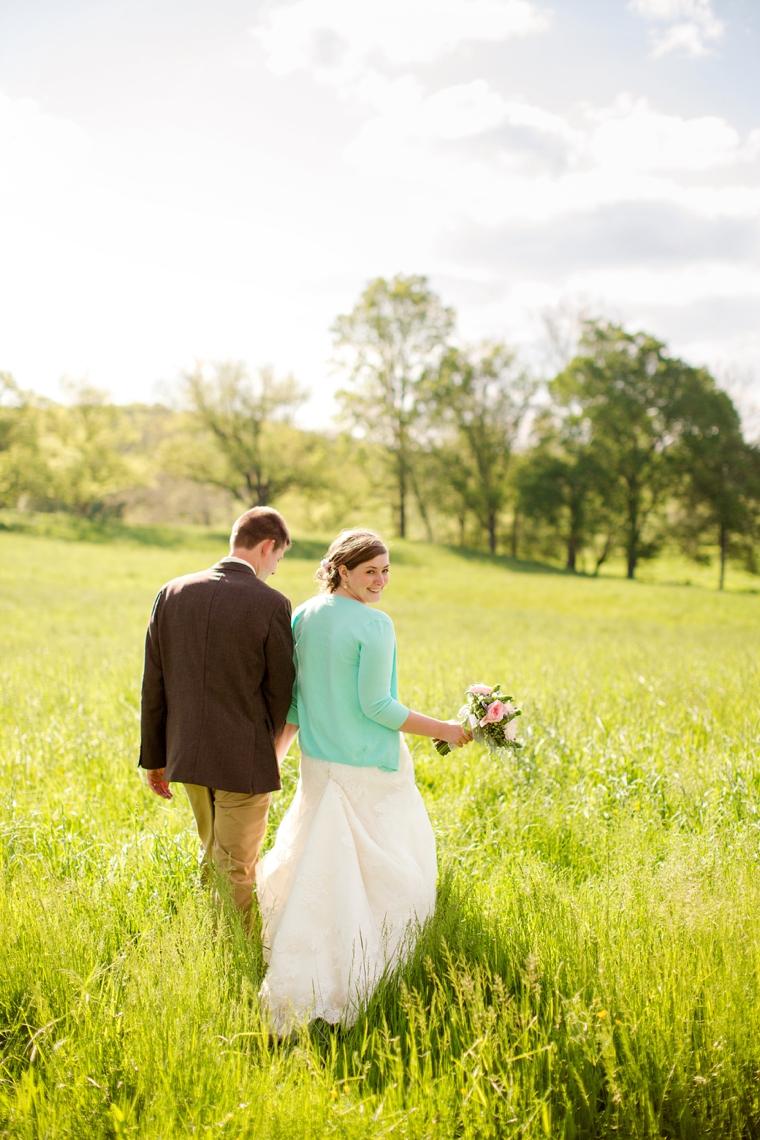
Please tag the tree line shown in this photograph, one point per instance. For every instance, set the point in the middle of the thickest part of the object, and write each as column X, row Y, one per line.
column 624, row 449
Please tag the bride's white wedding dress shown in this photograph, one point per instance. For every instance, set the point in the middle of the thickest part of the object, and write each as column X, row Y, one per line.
column 350, row 876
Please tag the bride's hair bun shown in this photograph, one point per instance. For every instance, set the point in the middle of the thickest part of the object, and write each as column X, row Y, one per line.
column 349, row 549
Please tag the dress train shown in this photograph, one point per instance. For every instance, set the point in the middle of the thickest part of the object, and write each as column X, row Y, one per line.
column 351, row 874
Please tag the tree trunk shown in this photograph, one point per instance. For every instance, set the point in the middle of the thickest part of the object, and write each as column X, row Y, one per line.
column 723, row 549
column 401, row 498
column 575, row 528
column 258, row 489
column 492, row 531
column 634, row 531
column 604, row 555
column 426, row 520
column 462, row 526
column 514, row 537
column 421, row 507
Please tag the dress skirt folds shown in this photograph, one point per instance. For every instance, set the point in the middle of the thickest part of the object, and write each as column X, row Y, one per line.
column 350, row 877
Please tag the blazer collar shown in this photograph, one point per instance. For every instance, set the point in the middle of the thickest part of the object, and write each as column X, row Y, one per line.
column 236, row 567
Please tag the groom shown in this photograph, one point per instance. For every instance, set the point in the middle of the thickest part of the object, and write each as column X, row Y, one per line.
column 216, row 689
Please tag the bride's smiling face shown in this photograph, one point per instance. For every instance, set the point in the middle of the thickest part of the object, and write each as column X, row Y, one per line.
column 366, row 582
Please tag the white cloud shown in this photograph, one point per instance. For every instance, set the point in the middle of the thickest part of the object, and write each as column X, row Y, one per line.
column 339, row 39
column 631, row 135
column 37, row 150
column 456, row 112
column 213, row 209
column 625, row 152
column 519, row 114
column 689, row 38
column 699, row 10
column 126, row 287
column 692, row 25
column 674, row 286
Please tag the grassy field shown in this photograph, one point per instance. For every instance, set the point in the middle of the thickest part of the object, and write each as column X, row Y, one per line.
column 593, row 968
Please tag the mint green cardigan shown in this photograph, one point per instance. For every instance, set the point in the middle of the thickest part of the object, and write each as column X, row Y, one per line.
column 345, row 697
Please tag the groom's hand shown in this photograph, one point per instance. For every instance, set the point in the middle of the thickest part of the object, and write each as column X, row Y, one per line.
column 157, row 783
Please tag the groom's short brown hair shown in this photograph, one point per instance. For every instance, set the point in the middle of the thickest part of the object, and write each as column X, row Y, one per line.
column 259, row 525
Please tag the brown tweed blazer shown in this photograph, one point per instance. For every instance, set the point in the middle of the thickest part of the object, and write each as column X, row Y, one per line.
column 218, row 680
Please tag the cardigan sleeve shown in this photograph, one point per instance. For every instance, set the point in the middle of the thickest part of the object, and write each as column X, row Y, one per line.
column 377, row 660
column 292, row 717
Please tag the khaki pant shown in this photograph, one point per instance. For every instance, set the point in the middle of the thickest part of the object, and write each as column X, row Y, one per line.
column 231, row 826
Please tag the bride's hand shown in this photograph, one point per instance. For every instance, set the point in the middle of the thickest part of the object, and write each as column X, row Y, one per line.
column 453, row 733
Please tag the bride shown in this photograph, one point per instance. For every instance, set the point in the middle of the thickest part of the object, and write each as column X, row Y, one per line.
column 352, row 872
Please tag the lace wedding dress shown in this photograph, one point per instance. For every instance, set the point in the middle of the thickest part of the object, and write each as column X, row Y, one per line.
column 350, row 876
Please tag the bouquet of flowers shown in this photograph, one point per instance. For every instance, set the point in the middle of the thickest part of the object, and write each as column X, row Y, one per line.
column 491, row 718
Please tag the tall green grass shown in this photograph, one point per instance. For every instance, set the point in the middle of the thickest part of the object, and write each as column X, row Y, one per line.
column 593, row 965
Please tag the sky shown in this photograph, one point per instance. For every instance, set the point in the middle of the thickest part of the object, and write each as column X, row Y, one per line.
column 184, row 180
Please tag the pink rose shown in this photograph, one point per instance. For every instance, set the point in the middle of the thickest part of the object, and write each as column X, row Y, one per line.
column 480, row 690
column 495, row 712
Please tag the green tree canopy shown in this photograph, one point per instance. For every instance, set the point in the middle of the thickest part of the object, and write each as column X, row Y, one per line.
column 86, row 444
column 479, row 396
column 563, row 483
column 397, row 332
column 720, row 489
column 23, row 469
column 241, row 436
column 629, row 393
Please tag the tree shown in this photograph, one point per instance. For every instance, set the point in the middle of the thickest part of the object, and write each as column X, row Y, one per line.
column 85, row 445
column 480, row 395
column 563, row 483
column 241, row 438
column 627, row 390
column 721, row 475
column 22, row 465
column 396, row 334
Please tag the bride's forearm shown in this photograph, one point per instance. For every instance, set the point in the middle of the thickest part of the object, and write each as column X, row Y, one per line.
column 284, row 741
column 420, row 725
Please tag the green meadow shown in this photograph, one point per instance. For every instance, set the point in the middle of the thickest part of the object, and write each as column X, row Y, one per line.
column 593, row 967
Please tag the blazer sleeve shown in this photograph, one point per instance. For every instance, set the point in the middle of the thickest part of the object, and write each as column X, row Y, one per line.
column 153, row 698
column 279, row 672
column 377, row 656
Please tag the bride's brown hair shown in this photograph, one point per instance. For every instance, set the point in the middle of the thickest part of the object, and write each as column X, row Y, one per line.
column 349, row 549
